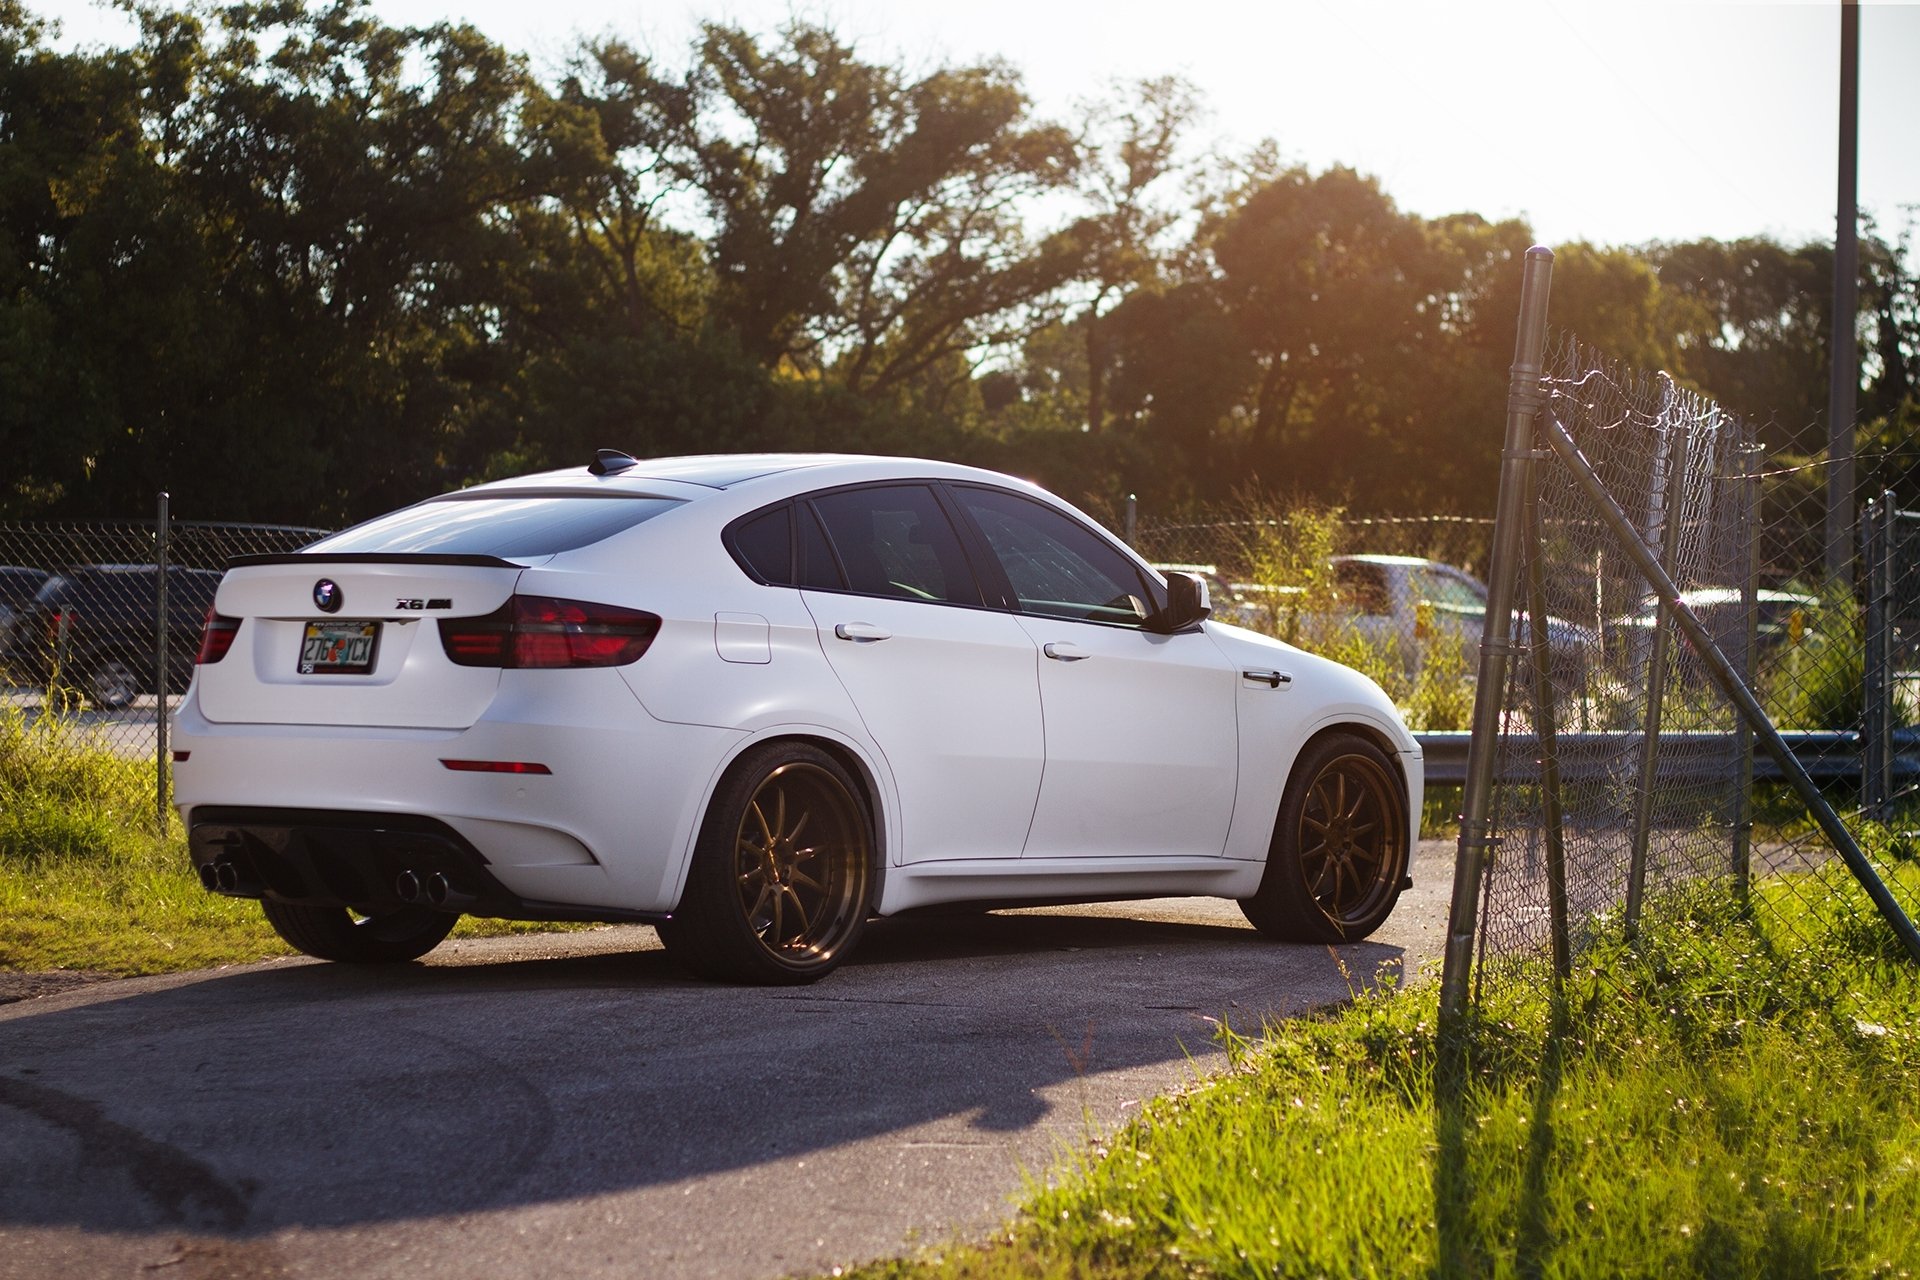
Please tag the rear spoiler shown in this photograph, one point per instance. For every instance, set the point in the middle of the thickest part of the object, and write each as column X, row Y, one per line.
column 372, row 557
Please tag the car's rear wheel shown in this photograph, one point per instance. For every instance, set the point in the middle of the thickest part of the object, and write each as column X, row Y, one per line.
column 1339, row 852
column 112, row 684
column 335, row 933
column 782, row 875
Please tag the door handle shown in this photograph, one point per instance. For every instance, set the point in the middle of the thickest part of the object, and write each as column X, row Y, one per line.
column 1061, row 651
column 863, row 632
column 1271, row 679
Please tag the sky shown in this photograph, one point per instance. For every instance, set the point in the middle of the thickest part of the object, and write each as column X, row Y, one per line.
column 1616, row 123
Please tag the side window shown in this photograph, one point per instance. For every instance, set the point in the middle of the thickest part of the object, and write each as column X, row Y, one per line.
column 1057, row 567
column 895, row 540
column 1449, row 593
column 763, row 545
column 1362, row 587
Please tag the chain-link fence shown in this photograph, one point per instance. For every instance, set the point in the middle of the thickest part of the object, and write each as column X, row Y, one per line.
column 100, row 620
column 1404, row 599
column 1702, row 622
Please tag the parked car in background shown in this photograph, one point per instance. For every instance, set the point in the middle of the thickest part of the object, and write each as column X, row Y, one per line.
column 95, row 627
column 1406, row 604
column 1783, row 618
column 17, row 586
column 754, row 700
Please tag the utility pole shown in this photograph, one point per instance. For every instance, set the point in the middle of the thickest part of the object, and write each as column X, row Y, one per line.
column 1844, row 388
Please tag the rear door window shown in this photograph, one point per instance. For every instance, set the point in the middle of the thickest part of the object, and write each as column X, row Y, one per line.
column 763, row 545
column 896, row 540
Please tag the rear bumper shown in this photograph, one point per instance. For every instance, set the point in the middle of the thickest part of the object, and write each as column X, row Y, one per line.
column 370, row 863
column 339, row 812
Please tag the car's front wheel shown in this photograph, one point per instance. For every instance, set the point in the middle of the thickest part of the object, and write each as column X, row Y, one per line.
column 782, row 874
column 335, row 933
column 1339, row 853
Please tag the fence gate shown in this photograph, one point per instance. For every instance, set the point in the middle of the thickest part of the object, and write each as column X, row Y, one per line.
column 1641, row 517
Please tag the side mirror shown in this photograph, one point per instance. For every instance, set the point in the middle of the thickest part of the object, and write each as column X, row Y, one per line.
column 1187, row 604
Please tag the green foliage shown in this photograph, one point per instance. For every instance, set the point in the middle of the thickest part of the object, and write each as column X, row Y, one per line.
column 88, row 882
column 1729, row 1097
column 291, row 263
column 1818, row 680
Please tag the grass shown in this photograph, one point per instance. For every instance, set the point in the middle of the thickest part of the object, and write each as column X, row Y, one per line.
column 1732, row 1097
column 86, row 881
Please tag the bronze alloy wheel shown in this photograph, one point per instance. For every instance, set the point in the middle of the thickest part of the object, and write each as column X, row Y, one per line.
column 800, row 862
column 783, row 874
column 1351, row 840
column 1339, row 854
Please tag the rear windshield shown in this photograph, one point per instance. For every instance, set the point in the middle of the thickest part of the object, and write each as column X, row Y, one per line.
column 508, row 527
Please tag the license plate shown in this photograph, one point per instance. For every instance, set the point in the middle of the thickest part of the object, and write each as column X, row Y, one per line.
column 338, row 648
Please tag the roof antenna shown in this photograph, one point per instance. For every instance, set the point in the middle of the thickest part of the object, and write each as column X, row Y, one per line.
column 608, row 462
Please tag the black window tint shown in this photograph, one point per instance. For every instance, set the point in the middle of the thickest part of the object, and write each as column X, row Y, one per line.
column 1056, row 566
column 764, row 545
column 896, row 541
column 532, row 525
column 1362, row 587
column 817, row 567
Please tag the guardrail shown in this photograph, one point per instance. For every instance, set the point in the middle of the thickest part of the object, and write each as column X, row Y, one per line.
column 1828, row 755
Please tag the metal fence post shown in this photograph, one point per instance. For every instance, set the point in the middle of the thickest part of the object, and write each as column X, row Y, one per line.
column 1876, row 737
column 1546, row 730
column 160, row 752
column 1670, row 489
column 1133, row 516
column 1748, row 478
column 1476, row 817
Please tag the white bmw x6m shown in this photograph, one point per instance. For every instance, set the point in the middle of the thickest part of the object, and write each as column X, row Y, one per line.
column 754, row 700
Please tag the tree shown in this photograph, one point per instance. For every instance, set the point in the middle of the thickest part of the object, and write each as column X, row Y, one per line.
column 1132, row 142
column 1339, row 297
column 866, row 225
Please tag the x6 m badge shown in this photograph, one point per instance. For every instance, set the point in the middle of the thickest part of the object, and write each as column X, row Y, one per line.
column 327, row 596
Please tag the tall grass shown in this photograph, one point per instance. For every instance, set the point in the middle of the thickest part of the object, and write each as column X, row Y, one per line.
column 1732, row 1097
column 89, row 881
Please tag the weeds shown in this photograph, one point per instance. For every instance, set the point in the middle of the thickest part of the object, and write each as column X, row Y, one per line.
column 86, row 880
column 1728, row 1096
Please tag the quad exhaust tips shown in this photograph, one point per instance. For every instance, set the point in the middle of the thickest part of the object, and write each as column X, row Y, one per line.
column 433, row 890
column 225, row 876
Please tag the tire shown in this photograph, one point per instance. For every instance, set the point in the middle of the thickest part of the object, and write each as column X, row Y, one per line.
column 1339, row 854
column 111, row 684
column 782, row 874
column 334, row 933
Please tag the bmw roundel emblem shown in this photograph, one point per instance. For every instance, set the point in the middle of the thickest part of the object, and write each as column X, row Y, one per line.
column 326, row 594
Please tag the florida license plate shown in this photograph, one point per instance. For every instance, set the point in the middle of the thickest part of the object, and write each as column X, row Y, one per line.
column 338, row 648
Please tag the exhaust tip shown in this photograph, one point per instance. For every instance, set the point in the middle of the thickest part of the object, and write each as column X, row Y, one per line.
column 438, row 889
column 406, row 886
column 209, row 878
column 226, row 876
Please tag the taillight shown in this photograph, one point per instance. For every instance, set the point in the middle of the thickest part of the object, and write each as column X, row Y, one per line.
column 216, row 637
column 539, row 631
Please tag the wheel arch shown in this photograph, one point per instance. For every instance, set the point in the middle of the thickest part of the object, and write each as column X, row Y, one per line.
column 873, row 785
column 1377, row 736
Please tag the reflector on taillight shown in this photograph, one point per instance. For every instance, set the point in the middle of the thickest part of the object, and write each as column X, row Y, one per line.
column 540, row 631
column 216, row 637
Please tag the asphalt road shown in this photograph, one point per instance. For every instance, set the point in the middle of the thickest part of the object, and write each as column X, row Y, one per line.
column 565, row 1105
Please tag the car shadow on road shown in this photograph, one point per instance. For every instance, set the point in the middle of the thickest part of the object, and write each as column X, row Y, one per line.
column 306, row 1094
